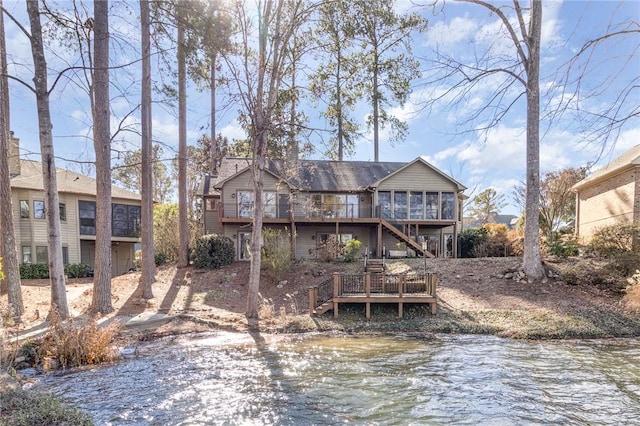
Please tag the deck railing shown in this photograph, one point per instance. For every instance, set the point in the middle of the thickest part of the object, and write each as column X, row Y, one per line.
column 414, row 284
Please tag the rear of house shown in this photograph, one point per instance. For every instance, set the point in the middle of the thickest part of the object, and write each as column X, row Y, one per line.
column 391, row 208
column 77, row 210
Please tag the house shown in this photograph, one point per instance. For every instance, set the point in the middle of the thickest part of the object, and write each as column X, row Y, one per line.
column 410, row 208
column 77, row 209
column 510, row 220
column 610, row 195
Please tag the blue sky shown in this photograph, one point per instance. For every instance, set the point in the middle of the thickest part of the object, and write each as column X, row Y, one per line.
column 496, row 159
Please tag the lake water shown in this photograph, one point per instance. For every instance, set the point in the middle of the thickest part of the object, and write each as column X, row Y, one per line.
column 401, row 380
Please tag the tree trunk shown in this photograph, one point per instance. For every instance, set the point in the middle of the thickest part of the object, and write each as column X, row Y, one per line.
column 532, row 263
column 214, row 142
column 56, row 267
column 376, row 112
column 101, row 302
column 253, row 296
column 148, row 259
column 11, row 266
column 183, row 225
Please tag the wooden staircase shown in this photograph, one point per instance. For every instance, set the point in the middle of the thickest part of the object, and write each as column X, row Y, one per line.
column 375, row 265
column 405, row 238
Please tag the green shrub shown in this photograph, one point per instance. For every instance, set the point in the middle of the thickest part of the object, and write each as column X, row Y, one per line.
column 351, row 250
column 562, row 246
column 471, row 240
column 276, row 252
column 160, row 258
column 34, row 271
column 19, row 407
column 212, row 252
column 76, row 270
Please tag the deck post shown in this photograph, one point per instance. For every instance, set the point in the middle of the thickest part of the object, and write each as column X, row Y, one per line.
column 312, row 299
column 400, row 304
column 336, row 292
column 368, row 310
column 367, row 284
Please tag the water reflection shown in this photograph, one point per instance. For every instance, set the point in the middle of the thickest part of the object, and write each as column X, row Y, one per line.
column 363, row 380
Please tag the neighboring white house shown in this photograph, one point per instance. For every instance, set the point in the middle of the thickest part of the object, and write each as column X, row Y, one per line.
column 77, row 216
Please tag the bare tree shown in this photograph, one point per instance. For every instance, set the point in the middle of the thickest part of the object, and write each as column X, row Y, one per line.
column 56, row 267
column 148, row 262
column 8, row 248
column 557, row 201
column 581, row 80
column 523, row 28
column 259, row 71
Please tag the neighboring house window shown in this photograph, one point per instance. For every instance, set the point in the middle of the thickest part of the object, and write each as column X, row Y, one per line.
column 42, row 254
column 245, row 203
column 38, row 209
column 269, row 203
column 448, row 206
column 87, row 210
column 26, row 254
column 125, row 220
column 415, row 204
column 400, row 205
column 24, row 209
column 384, row 204
column 431, row 211
column 63, row 212
column 65, row 255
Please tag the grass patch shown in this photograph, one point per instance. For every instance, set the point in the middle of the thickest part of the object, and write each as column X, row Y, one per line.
column 20, row 407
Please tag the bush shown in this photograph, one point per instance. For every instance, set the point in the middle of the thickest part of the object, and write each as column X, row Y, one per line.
column 276, row 252
column 21, row 407
column 329, row 249
column 562, row 246
column 212, row 252
column 34, row 271
column 351, row 250
column 160, row 258
column 470, row 239
column 76, row 270
column 72, row 345
column 612, row 240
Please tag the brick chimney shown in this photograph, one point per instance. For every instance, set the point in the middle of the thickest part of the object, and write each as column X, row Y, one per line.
column 14, row 155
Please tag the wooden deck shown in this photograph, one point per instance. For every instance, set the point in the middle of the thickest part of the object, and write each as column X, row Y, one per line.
column 371, row 288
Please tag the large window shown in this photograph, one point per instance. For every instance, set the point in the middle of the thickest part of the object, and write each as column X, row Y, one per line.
column 400, row 205
column 38, row 209
column 269, row 203
column 431, row 211
column 87, row 211
column 353, row 205
column 245, row 203
column 415, row 204
column 384, row 204
column 24, row 209
column 448, row 206
column 125, row 220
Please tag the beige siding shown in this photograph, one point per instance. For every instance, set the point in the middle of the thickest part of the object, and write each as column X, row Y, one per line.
column 307, row 241
column 244, row 182
column 606, row 203
column 417, row 177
